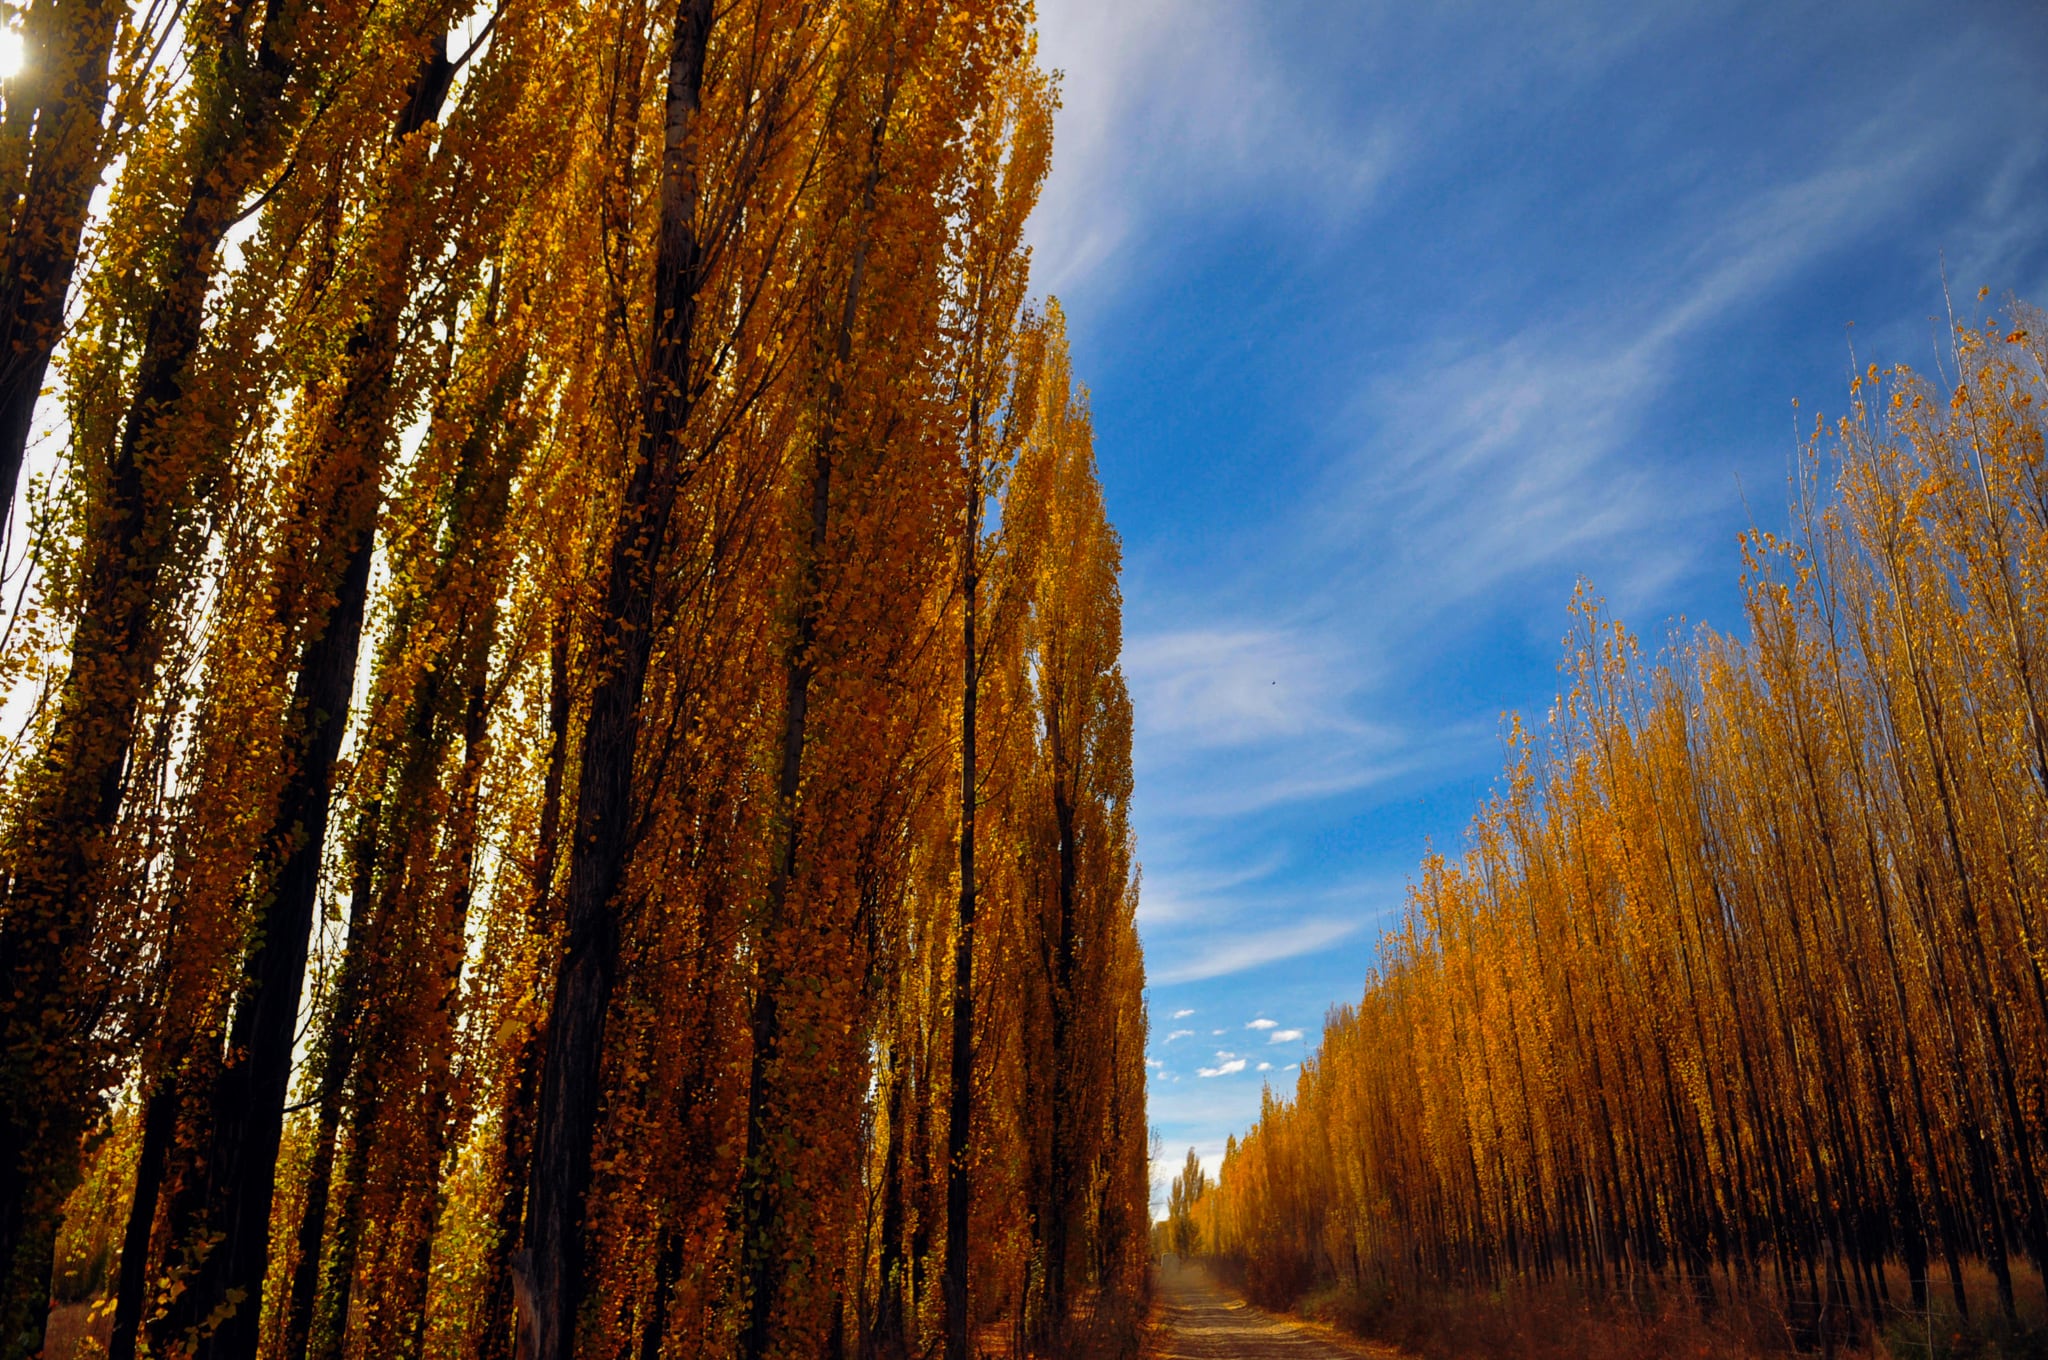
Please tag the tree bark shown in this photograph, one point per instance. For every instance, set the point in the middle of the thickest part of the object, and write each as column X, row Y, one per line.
column 248, row 1098
column 885, row 1336
column 159, row 1119
column 1065, row 1139
column 48, row 1066
column 762, row 1249
column 495, row 1332
column 960, row 1109
column 549, row 1268
column 70, row 45
column 246, row 1114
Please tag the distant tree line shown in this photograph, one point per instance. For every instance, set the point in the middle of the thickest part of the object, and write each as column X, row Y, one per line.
column 1740, row 980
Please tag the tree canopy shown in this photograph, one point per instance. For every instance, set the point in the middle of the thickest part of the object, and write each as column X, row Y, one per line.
column 572, row 776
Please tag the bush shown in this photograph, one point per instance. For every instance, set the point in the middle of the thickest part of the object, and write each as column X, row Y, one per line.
column 1952, row 1338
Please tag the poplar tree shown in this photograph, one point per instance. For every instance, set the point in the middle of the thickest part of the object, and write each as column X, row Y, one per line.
column 1737, row 981
column 488, row 871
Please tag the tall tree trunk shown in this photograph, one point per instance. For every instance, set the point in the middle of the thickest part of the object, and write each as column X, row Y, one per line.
column 392, row 833
column 312, row 1230
column 768, row 1137
column 248, row 1098
column 960, row 1110
column 62, row 843
column 69, row 46
column 764, row 1250
column 245, row 1119
column 159, row 1120
column 550, row 1265
column 452, row 927
column 886, row 1334
column 337, row 1068
column 1065, row 1162
column 495, row 1331
column 334, row 1301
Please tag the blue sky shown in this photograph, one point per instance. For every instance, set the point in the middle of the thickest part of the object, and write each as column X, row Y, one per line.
column 1398, row 321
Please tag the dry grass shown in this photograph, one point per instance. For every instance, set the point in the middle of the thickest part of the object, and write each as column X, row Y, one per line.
column 1549, row 1325
column 1559, row 1322
column 1100, row 1327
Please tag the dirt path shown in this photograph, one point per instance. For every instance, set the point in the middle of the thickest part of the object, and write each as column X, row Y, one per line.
column 1201, row 1320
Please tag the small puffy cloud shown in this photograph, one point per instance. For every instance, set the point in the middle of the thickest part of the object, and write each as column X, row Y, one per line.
column 1180, row 1034
column 1221, row 1069
column 1265, row 1067
column 1216, row 1031
column 1183, row 1013
column 1225, row 1055
column 1263, row 1023
column 1154, row 1062
column 1284, row 1036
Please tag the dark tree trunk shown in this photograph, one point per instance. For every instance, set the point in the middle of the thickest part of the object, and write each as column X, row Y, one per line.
column 69, row 69
column 1065, row 1161
column 668, row 1268
column 960, row 1109
column 452, row 929
column 886, row 1334
column 159, row 1122
column 762, row 1247
column 334, row 1302
column 337, row 1069
column 232, row 1197
column 495, row 1333
column 550, row 1264
column 312, row 1231
column 764, row 1251
column 248, row 1099
column 48, row 1076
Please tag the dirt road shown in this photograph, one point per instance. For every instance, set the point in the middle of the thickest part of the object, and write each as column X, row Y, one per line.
column 1203, row 1321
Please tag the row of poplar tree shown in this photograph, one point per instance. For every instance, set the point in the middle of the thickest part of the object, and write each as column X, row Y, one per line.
column 569, row 774
column 1739, row 982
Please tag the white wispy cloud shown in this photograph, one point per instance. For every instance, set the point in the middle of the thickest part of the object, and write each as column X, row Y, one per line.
column 1221, row 1069
column 1184, row 891
column 1169, row 107
column 1492, row 453
column 1235, row 719
column 1238, row 686
column 1238, row 952
column 1262, row 1023
column 1141, row 131
column 1180, row 1034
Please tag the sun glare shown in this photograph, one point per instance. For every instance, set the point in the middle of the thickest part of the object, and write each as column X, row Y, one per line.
column 10, row 53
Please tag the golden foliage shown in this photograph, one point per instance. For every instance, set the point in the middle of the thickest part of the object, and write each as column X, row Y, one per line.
column 484, row 872
column 1740, row 975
